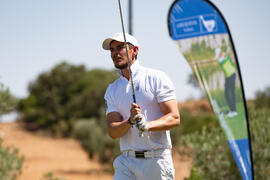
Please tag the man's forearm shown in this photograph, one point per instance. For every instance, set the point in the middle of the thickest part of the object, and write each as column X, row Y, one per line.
column 118, row 129
column 166, row 122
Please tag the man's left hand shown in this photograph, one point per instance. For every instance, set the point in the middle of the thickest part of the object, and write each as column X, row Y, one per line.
column 141, row 123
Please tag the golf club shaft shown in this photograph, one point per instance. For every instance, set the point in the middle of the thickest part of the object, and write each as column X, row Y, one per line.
column 130, row 73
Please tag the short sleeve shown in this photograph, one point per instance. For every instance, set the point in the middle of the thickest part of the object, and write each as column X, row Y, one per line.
column 109, row 102
column 164, row 88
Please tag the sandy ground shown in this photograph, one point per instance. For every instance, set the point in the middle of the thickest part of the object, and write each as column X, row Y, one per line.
column 63, row 157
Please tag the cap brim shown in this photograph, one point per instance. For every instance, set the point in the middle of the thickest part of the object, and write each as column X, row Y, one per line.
column 106, row 43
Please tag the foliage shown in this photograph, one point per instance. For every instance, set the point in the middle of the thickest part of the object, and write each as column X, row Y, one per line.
column 95, row 139
column 259, row 125
column 212, row 157
column 61, row 96
column 7, row 101
column 192, row 122
column 10, row 162
column 49, row 176
column 262, row 98
column 195, row 175
column 211, row 154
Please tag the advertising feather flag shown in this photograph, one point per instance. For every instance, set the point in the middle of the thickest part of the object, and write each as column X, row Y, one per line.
column 204, row 39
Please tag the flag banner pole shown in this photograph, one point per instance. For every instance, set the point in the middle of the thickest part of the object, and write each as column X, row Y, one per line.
column 203, row 37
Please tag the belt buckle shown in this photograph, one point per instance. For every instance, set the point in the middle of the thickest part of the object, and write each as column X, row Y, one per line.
column 139, row 154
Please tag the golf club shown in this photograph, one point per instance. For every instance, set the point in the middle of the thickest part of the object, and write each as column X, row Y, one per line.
column 130, row 73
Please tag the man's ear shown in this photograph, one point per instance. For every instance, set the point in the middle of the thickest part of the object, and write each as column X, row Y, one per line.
column 136, row 49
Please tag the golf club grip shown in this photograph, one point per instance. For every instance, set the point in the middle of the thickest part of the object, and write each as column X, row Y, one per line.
column 134, row 98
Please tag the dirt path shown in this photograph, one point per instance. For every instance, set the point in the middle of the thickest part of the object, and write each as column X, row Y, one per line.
column 63, row 157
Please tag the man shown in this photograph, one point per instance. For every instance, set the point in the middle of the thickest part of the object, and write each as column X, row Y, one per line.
column 229, row 70
column 146, row 156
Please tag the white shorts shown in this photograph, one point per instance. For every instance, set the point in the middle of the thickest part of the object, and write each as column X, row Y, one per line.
column 158, row 167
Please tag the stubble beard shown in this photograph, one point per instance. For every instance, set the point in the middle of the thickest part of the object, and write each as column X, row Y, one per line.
column 122, row 66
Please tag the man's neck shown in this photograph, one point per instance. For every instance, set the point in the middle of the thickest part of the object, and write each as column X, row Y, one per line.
column 125, row 73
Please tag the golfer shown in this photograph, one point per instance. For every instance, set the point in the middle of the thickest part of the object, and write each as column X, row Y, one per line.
column 229, row 70
column 143, row 127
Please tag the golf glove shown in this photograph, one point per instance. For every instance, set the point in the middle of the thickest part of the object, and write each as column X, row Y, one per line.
column 141, row 123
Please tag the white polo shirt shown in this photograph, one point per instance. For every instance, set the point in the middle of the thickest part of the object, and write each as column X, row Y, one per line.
column 151, row 87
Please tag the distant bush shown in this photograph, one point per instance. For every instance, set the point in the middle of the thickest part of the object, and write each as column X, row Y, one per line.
column 262, row 98
column 50, row 176
column 10, row 163
column 192, row 122
column 195, row 175
column 96, row 140
column 211, row 155
column 260, row 137
column 7, row 101
column 59, row 97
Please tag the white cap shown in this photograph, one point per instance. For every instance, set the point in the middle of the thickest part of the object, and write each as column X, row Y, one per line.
column 120, row 38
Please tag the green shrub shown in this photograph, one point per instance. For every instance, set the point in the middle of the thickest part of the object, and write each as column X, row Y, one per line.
column 260, row 137
column 96, row 140
column 7, row 101
column 10, row 163
column 49, row 176
column 262, row 98
column 211, row 154
column 212, row 157
column 195, row 175
column 59, row 97
column 192, row 122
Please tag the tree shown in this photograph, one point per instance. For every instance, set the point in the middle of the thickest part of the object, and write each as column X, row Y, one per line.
column 60, row 97
column 7, row 101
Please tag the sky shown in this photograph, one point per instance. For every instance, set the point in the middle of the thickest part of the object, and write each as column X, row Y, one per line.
column 36, row 35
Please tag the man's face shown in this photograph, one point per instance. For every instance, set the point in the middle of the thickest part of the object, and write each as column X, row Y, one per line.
column 119, row 56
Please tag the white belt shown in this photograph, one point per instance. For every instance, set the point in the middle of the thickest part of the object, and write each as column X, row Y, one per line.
column 147, row 154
